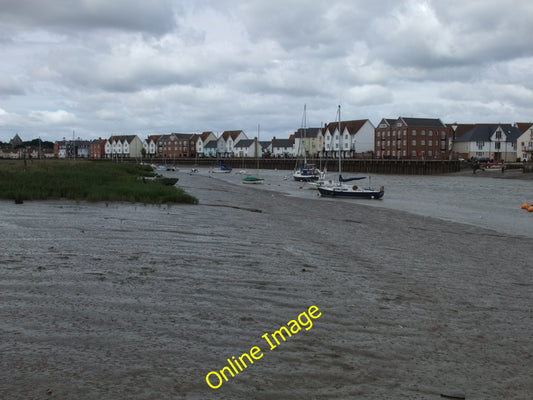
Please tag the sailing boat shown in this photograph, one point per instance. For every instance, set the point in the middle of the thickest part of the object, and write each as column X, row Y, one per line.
column 250, row 179
column 342, row 188
column 306, row 172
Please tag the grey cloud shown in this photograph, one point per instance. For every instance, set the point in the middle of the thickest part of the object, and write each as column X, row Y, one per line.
column 79, row 15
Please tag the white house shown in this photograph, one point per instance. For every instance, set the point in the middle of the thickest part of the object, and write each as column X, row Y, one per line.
column 226, row 142
column 524, row 142
column 283, row 147
column 248, row 148
column 123, row 146
column 203, row 139
column 354, row 137
column 150, row 145
column 496, row 142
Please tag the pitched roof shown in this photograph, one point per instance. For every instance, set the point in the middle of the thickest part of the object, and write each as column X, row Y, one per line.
column 461, row 129
column 309, row 132
column 425, row 122
column 282, row 142
column 211, row 145
column 483, row 132
column 183, row 136
column 351, row 126
column 205, row 135
column 523, row 126
column 245, row 143
column 233, row 134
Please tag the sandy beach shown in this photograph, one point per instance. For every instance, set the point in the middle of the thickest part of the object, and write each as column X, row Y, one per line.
column 122, row 301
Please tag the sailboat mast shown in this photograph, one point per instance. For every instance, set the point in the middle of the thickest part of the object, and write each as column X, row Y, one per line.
column 304, row 123
column 340, row 134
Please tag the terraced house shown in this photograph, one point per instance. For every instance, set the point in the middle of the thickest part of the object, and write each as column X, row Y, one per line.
column 176, row 145
column 413, row 138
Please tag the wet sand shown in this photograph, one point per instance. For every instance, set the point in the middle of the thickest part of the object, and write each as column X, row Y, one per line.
column 119, row 301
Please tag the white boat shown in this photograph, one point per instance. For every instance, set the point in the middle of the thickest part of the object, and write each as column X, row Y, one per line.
column 306, row 172
column 342, row 188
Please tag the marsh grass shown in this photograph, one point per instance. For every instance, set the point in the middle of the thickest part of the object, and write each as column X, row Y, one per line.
column 85, row 180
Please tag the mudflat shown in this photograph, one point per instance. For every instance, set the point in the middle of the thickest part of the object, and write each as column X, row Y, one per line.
column 130, row 301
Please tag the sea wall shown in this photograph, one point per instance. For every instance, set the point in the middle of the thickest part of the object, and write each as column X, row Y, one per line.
column 400, row 167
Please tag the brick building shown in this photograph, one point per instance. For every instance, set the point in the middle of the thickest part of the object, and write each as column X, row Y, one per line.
column 413, row 138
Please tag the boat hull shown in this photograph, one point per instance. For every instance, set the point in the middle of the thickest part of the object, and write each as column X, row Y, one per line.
column 253, row 181
column 356, row 194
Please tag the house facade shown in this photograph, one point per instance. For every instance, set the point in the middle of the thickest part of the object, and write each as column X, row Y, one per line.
column 355, row 136
column 150, row 145
column 524, row 150
column 210, row 149
column 309, row 141
column 282, row 148
column 176, row 145
column 413, row 138
column 227, row 141
column 492, row 142
column 203, row 139
column 97, row 148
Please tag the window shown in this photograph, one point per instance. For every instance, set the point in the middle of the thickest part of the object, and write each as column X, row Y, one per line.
column 414, row 132
column 413, row 142
column 430, row 142
column 423, row 142
column 430, row 133
column 423, row 132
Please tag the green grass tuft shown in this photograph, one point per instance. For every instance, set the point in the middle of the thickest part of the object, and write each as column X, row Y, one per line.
column 86, row 180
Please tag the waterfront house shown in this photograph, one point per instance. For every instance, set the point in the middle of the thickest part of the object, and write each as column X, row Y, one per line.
column 310, row 141
column 226, row 142
column 202, row 140
column 413, row 138
column 210, row 149
column 355, row 136
column 495, row 142
column 123, row 146
column 248, row 148
column 150, row 145
column 282, row 147
column 97, row 148
column 176, row 145
column 524, row 150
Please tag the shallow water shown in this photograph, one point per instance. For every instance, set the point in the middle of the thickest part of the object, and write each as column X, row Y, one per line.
column 487, row 201
column 127, row 301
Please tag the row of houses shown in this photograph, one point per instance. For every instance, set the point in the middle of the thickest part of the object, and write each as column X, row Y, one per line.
column 401, row 138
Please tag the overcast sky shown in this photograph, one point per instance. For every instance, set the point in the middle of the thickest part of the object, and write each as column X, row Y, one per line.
column 102, row 67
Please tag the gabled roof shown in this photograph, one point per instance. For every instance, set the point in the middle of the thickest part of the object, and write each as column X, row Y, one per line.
column 282, row 143
column 245, row 143
column 233, row 134
column 183, row 136
column 388, row 121
column 351, row 126
column 523, row 126
column 154, row 138
column 425, row 122
column 264, row 144
column 205, row 135
column 461, row 129
column 309, row 132
column 483, row 132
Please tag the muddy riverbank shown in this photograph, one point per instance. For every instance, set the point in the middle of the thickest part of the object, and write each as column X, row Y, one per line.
column 121, row 301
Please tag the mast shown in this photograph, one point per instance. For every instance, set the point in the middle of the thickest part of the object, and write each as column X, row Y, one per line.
column 340, row 134
column 304, row 123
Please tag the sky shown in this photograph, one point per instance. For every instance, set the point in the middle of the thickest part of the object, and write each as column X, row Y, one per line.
column 96, row 68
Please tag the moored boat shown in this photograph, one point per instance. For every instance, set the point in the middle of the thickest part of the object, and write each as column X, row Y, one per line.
column 342, row 188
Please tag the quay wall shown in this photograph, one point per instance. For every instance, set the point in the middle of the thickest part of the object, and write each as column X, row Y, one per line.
column 393, row 167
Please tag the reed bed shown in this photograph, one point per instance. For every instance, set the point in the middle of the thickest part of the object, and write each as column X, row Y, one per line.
column 85, row 180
